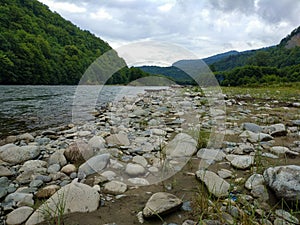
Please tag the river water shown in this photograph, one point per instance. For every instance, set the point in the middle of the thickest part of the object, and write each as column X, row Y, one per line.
column 29, row 108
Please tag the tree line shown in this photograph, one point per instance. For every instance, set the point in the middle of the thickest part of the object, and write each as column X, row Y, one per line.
column 38, row 46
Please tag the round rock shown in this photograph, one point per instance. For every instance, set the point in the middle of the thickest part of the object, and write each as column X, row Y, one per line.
column 161, row 203
column 134, row 169
column 19, row 215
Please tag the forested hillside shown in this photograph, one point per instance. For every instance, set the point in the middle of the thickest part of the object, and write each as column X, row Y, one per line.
column 276, row 64
column 38, row 46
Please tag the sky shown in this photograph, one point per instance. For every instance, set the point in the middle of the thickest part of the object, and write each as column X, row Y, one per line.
column 203, row 27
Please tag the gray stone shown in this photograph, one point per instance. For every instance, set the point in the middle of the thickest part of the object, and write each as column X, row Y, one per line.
column 36, row 183
column 182, row 146
column 5, row 172
column 43, row 178
column 26, row 137
column 283, row 150
column 25, row 177
column 286, row 216
column 256, row 137
column 115, row 187
column 134, row 169
column 211, row 154
column 269, row 155
column 68, row 169
column 254, row 180
column 110, row 175
column 120, row 139
column 54, row 168
column 58, row 158
column 240, row 161
column 96, row 143
column 138, row 181
column 161, row 203
column 3, row 192
column 260, row 191
column 84, row 133
column 4, row 182
column 140, row 160
column 34, row 165
column 284, row 181
column 296, row 122
column 223, row 173
column 20, row 198
column 246, row 148
column 277, row 130
column 189, row 222
column 215, row 184
column 158, row 132
column 95, row 164
column 76, row 197
column 280, row 221
column 252, row 127
column 19, row 215
column 14, row 154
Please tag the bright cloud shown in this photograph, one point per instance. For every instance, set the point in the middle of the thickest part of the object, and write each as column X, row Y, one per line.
column 204, row 27
column 64, row 6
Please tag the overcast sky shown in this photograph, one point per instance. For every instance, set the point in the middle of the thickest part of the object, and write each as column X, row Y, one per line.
column 204, row 27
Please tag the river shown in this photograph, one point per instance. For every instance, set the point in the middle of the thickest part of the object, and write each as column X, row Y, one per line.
column 28, row 108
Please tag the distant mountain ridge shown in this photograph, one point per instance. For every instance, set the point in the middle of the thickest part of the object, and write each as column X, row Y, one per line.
column 280, row 63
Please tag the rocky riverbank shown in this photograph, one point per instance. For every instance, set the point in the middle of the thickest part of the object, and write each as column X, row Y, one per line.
column 157, row 154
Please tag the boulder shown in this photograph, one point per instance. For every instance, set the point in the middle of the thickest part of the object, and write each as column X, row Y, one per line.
column 36, row 165
column 120, row 139
column 211, row 154
column 74, row 197
column 95, row 164
column 161, row 203
column 20, row 198
column 115, row 187
column 284, row 181
column 5, row 172
column 58, row 158
column 256, row 137
column 182, row 146
column 134, row 169
column 254, row 180
column 47, row 191
column 78, row 152
column 19, row 215
column 140, row 160
column 215, row 184
column 15, row 155
column 286, row 216
column 26, row 137
column 96, row 143
column 252, row 127
column 240, row 161
column 283, row 150
column 68, row 169
column 277, row 130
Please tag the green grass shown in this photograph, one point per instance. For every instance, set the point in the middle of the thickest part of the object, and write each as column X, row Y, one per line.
column 283, row 92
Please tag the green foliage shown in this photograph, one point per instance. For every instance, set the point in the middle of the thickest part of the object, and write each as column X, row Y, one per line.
column 38, row 46
column 276, row 64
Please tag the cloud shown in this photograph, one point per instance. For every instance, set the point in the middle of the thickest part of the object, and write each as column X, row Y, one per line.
column 64, row 6
column 204, row 27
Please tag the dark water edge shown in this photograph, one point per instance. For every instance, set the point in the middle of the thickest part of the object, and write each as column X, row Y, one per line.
column 33, row 108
